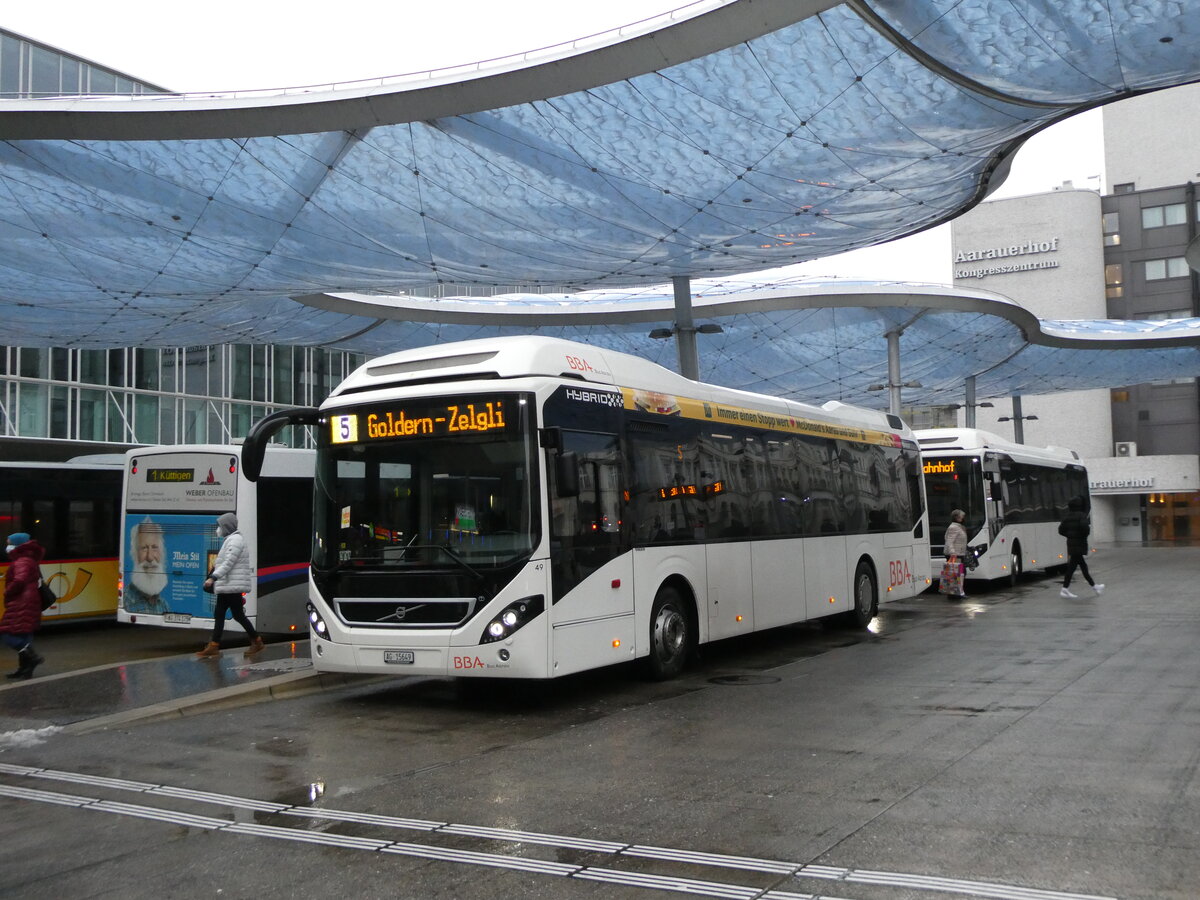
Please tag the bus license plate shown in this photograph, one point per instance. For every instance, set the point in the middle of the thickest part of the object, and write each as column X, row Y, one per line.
column 177, row 618
column 400, row 657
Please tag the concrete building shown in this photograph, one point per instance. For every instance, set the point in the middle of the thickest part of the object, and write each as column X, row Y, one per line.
column 57, row 403
column 1074, row 254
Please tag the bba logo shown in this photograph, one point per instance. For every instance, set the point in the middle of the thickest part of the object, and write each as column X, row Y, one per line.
column 898, row 570
column 468, row 662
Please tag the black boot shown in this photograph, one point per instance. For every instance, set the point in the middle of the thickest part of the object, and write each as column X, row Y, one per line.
column 28, row 660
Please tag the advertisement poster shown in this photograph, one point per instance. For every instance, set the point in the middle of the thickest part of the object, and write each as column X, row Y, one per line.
column 166, row 560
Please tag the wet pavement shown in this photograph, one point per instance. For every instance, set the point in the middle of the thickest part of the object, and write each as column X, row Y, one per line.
column 144, row 688
column 1017, row 745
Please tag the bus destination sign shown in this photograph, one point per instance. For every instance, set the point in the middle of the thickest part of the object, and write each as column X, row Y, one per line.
column 176, row 476
column 464, row 417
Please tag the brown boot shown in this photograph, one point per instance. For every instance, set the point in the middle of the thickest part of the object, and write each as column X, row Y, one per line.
column 212, row 648
column 255, row 646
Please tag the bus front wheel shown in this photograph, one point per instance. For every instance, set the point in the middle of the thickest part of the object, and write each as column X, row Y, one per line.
column 671, row 635
column 1015, row 567
column 866, row 597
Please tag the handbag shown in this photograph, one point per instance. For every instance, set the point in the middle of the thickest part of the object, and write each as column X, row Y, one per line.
column 46, row 594
column 950, row 582
column 207, row 585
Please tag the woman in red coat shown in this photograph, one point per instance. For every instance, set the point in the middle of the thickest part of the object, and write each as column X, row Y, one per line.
column 22, row 603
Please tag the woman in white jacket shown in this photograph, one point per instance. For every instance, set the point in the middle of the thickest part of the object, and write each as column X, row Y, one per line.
column 230, row 579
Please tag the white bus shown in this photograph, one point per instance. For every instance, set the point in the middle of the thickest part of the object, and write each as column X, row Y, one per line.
column 528, row 507
column 1013, row 495
column 171, row 498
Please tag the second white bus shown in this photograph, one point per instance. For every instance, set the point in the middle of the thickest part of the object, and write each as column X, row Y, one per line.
column 171, row 499
column 529, row 507
column 1014, row 496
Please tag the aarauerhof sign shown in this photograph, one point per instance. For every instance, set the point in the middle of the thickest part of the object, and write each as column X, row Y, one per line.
column 1121, row 484
column 989, row 259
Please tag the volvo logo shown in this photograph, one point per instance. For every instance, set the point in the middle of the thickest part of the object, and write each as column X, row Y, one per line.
column 402, row 611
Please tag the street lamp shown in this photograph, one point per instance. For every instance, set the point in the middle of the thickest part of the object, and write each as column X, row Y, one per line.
column 1018, row 419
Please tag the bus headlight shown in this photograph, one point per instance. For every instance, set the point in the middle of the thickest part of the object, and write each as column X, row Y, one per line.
column 316, row 623
column 513, row 617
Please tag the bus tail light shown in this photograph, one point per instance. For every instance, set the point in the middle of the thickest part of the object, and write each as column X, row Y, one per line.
column 512, row 618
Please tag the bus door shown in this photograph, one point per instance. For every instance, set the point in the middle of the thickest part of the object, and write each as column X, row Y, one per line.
column 995, row 467
column 591, row 571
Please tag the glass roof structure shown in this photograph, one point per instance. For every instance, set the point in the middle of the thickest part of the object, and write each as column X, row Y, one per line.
column 730, row 137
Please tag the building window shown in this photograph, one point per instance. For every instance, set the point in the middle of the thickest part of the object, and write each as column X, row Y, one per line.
column 1114, row 282
column 1169, row 314
column 1161, row 216
column 1126, row 188
column 1112, row 227
column 45, row 77
column 1158, row 269
column 1121, row 396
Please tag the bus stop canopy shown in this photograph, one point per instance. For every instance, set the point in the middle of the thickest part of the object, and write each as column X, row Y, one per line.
column 725, row 138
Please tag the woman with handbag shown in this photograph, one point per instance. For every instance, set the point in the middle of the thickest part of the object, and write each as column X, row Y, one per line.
column 955, row 548
column 22, row 602
column 231, row 578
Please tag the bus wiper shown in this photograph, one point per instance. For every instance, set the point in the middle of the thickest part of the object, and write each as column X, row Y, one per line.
column 462, row 562
column 445, row 548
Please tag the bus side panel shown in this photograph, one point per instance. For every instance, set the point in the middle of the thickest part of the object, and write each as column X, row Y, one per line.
column 281, row 610
column 779, row 573
column 732, row 583
column 593, row 625
column 825, row 575
column 85, row 588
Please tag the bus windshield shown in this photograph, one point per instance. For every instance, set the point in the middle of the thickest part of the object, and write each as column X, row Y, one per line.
column 954, row 482
column 442, row 482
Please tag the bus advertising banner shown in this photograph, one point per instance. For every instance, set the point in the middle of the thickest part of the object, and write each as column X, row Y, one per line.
column 167, row 558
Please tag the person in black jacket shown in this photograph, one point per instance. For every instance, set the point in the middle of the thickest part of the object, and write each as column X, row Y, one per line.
column 1075, row 528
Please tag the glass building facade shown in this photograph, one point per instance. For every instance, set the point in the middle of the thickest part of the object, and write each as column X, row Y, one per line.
column 55, row 403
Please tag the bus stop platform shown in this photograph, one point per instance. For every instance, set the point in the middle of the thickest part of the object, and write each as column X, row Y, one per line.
column 117, row 693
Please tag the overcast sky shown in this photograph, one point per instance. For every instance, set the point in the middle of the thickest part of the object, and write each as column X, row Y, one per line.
column 222, row 45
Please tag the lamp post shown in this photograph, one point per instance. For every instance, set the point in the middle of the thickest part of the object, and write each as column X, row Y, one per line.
column 970, row 402
column 1017, row 419
column 893, row 390
column 684, row 330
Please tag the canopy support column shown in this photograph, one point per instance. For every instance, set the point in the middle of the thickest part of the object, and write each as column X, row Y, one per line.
column 893, row 345
column 685, row 329
column 970, row 400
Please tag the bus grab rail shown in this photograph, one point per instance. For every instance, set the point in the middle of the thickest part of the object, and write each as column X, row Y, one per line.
column 254, row 448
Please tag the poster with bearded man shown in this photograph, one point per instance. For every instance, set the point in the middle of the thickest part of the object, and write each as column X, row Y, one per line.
column 164, row 564
column 146, row 581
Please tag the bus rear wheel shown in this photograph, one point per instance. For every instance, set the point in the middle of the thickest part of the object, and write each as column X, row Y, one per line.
column 671, row 635
column 866, row 597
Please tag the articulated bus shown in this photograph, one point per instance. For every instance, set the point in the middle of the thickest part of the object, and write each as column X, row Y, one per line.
column 1013, row 495
column 172, row 497
column 72, row 509
column 527, row 507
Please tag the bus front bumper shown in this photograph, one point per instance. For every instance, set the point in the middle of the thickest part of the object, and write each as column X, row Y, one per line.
column 498, row 660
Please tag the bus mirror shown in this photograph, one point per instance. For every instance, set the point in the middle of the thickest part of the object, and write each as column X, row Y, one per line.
column 566, row 474
column 550, row 439
column 996, row 490
column 254, row 448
